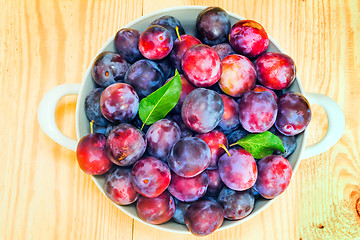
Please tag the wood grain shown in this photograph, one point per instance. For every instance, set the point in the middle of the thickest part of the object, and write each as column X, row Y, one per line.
column 43, row 193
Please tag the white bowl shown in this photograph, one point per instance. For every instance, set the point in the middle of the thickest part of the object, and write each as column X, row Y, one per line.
column 187, row 16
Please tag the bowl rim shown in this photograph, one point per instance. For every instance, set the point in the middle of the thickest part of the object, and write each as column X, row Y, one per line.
column 82, row 92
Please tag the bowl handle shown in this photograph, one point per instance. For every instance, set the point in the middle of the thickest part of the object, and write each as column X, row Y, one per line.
column 336, row 124
column 46, row 114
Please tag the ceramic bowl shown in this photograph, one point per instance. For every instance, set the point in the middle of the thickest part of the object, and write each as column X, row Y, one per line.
column 187, row 16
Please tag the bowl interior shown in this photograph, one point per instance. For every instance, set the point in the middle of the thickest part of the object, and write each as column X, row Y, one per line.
column 187, row 16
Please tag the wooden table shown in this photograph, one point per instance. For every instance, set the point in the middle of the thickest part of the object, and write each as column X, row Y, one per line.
column 44, row 194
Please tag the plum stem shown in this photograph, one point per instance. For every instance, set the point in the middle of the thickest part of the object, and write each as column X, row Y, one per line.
column 92, row 126
column 177, row 32
column 142, row 126
column 224, row 147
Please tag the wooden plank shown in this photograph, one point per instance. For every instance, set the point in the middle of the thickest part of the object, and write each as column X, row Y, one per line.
column 44, row 194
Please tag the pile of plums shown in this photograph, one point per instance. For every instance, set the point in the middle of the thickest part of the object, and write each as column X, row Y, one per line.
column 177, row 168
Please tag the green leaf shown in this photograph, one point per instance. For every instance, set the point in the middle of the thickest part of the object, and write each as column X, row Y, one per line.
column 159, row 103
column 261, row 145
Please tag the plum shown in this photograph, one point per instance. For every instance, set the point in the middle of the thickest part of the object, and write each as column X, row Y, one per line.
column 275, row 70
column 289, row 143
column 294, row 114
column 109, row 68
column 202, row 110
column 213, row 25
column 179, row 49
column 156, row 210
column 118, row 187
column 92, row 107
column 223, row 49
column 180, row 211
column 215, row 140
column 119, row 103
column 127, row 44
column 237, row 205
column 188, row 189
column 145, row 76
column 91, row 154
column 215, row 183
column 100, row 129
column 248, row 38
column 185, row 131
column 230, row 119
column 238, row 75
column 189, row 157
column 166, row 67
column 155, row 42
column 257, row 111
column 259, row 88
column 170, row 23
column 150, row 177
column 161, row 136
column 238, row 172
column 204, row 217
column 125, row 144
column 274, row 175
column 201, row 65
